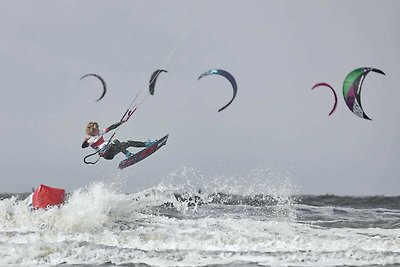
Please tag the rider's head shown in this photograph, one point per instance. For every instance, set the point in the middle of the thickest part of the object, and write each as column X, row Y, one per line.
column 92, row 128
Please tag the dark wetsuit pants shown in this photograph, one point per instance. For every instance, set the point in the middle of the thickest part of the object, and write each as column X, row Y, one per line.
column 116, row 147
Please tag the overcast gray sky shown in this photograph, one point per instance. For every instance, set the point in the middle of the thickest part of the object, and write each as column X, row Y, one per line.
column 275, row 49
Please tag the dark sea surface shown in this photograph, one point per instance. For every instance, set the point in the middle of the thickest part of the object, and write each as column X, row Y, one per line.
column 162, row 227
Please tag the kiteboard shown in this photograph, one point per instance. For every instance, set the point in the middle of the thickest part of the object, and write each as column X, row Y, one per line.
column 135, row 158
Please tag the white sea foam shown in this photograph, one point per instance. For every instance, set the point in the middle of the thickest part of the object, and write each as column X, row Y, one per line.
column 100, row 225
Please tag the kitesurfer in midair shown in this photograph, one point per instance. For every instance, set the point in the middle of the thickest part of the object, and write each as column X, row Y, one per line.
column 95, row 139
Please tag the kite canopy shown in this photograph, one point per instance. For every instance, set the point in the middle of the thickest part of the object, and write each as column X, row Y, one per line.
column 352, row 90
column 102, row 81
column 334, row 94
column 228, row 76
column 153, row 80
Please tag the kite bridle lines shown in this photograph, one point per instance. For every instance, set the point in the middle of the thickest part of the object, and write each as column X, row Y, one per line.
column 135, row 104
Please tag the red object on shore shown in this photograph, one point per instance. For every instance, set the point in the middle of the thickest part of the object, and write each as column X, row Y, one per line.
column 46, row 196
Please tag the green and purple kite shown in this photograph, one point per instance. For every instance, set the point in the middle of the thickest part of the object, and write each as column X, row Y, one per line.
column 352, row 90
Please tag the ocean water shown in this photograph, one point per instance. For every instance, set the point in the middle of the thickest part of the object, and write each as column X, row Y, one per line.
column 225, row 224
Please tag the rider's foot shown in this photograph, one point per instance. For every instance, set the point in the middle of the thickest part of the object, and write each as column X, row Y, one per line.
column 128, row 154
column 149, row 142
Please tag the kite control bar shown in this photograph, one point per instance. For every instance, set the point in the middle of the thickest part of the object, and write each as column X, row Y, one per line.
column 128, row 113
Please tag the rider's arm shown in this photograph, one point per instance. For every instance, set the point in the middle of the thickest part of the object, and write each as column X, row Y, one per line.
column 112, row 127
column 85, row 143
